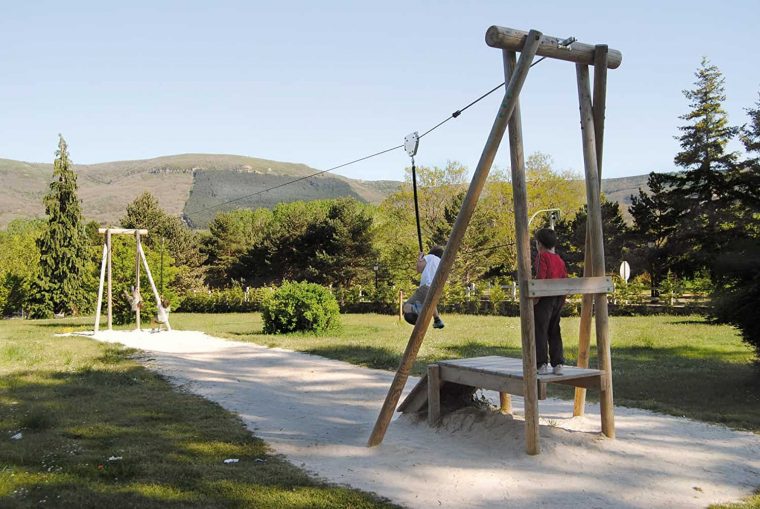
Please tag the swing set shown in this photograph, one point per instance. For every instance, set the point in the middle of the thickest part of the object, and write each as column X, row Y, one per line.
column 506, row 375
column 134, row 298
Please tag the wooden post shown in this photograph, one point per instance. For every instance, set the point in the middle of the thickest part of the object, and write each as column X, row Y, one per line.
column 505, row 403
column 599, row 105
column 137, row 279
column 110, row 283
column 463, row 218
column 527, row 323
column 597, row 245
column 103, row 263
column 400, row 305
column 434, row 394
column 153, row 285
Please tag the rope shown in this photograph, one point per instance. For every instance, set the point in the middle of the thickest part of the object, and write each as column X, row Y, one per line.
column 416, row 205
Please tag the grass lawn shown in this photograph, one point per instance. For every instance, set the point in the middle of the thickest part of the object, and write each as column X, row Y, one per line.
column 99, row 430
column 676, row 365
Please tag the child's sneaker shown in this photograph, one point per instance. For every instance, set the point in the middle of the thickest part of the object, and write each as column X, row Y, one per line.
column 438, row 323
column 543, row 369
column 558, row 369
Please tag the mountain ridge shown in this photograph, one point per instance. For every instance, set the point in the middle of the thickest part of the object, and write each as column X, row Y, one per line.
column 195, row 184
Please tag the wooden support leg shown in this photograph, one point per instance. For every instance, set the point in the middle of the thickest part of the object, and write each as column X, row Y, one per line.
column 505, row 403
column 434, row 394
column 584, row 342
column 137, row 279
column 527, row 322
column 597, row 244
column 103, row 263
column 110, row 284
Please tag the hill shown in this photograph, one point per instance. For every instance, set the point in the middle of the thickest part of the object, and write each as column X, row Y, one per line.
column 184, row 184
column 191, row 184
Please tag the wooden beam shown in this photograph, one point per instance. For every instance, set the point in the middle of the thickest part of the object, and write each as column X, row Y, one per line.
column 505, row 403
column 457, row 234
column 599, row 106
column 159, row 305
column 527, row 320
column 580, row 53
column 434, row 394
column 474, row 378
column 103, row 264
column 110, row 283
column 569, row 286
column 597, row 244
column 137, row 279
column 122, row 231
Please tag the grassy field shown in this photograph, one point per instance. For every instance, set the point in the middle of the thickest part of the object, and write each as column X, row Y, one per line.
column 676, row 365
column 99, row 430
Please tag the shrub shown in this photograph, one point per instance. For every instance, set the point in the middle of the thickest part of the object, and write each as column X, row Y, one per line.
column 300, row 307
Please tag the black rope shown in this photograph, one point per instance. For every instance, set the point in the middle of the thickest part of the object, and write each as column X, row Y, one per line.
column 416, row 205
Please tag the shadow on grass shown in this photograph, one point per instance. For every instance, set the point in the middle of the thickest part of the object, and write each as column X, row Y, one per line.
column 120, row 435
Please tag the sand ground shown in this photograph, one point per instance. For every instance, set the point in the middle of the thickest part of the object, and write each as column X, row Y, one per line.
column 319, row 413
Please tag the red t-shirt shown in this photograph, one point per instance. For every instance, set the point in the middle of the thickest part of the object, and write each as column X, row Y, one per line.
column 550, row 266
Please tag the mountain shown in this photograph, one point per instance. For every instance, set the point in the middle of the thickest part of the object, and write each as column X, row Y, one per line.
column 188, row 184
column 195, row 185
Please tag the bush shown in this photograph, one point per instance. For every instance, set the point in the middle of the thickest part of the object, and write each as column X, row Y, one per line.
column 300, row 307
column 231, row 300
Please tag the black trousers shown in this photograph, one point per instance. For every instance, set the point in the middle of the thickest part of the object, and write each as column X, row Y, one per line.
column 546, row 313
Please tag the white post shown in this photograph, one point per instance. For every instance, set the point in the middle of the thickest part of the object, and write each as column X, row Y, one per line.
column 100, row 286
column 153, row 286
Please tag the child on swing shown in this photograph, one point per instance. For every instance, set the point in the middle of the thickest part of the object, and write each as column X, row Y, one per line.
column 427, row 266
column 546, row 310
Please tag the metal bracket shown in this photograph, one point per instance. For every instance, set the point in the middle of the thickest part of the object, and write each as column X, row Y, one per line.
column 411, row 142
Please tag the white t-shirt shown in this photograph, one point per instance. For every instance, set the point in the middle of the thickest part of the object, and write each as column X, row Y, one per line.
column 431, row 266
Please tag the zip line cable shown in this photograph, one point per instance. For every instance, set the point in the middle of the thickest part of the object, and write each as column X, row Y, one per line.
column 565, row 43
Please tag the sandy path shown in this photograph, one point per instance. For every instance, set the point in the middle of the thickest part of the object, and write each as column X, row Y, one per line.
column 319, row 413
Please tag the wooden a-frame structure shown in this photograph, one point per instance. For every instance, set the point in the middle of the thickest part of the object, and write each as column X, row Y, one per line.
column 509, row 376
column 105, row 269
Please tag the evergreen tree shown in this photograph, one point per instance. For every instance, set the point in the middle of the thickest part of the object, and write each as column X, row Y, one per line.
column 736, row 272
column 697, row 196
column 64, row 255
column 652, row 227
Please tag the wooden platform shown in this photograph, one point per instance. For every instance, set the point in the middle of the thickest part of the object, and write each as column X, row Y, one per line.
column 502, row 374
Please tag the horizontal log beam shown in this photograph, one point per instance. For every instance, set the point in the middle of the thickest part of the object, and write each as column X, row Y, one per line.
column 578, row 52
column 569, row 286
column 122, row 231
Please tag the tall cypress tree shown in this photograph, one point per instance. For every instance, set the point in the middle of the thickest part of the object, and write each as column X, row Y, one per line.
column 63, row 246
column 697, row 196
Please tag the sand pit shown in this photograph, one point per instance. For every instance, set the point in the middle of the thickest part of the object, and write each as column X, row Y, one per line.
column 319, row 413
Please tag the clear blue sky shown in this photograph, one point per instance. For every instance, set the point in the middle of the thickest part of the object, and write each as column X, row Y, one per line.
column 325, row 82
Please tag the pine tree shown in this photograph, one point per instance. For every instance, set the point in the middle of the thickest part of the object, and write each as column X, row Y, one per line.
column 697, row 196
column 736, row 271
column 60, row 286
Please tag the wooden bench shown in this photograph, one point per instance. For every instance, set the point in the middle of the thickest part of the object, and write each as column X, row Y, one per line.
column 502, row 374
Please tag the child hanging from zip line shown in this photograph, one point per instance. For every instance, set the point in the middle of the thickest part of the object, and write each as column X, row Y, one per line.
column 546, row 310
column 427, row 266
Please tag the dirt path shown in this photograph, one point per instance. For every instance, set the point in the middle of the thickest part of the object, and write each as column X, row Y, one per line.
column 319, row 413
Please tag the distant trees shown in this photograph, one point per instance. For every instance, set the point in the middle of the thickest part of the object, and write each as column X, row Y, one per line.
column 60, row 286
column 19, row 263
column 329, row 242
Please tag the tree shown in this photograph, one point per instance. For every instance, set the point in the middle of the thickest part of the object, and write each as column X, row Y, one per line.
column 736, row 271
column 571, row 234
column 170, row 233
column 19, row 263
column 231, row 235
column 63, row 247
column 697, row 197
column 330, row 242
column 653, row 225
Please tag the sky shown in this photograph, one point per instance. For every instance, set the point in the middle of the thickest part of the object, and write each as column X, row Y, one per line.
column 326, row 82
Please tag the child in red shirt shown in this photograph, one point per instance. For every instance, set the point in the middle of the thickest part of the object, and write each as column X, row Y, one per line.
column 546, row 310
